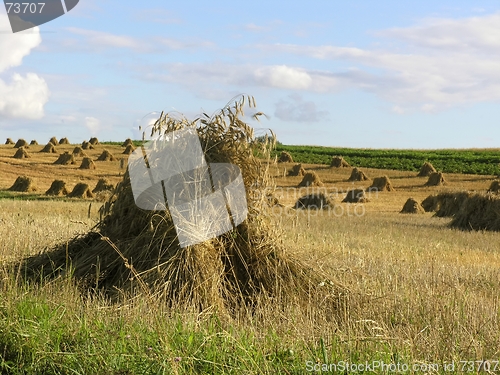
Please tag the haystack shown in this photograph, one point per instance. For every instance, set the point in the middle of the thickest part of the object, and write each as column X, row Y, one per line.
column 285, row 157
column 358, row 175
column 106, row 156
column 64, row 141
column 57, row 188
column 87, row 146
column 81, row 190
column 65, row 159
column 355, row 196
column 426, row 170
column 54, row 141
column 297, row 170
column 49, row 147
column 127, row 142
column 93, row 141
column 494, row 187
column 316, row 201
column 87, row 163
column 381, row 184
column 449, row 204
column 34, row 143
column 310, row 179
column 136, row 252
column 23, row 184
column 9, row 141
column 430, row 204
column 412, row 207
column 103, row 185
column 21, row 153
column 78, row 151
column 128, row 150
column 21, row 143
column 479, row 212
column 339, row 162
column 436, row 179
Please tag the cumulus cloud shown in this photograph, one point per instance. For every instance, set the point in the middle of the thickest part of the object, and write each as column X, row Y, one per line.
column 24, row 97
column 295, row 108
column 196, row 76
column 282, row 76
column 92, row 124
column 21, row 96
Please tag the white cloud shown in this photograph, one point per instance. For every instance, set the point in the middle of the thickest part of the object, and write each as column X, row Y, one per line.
column 282, row 76
column 22, row 97
column 93, row 124
column 453, row 62
column 94, row 40
column 15, row 46
column 294, row 108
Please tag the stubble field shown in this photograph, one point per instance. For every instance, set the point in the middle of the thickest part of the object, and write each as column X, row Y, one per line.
column 419, row 293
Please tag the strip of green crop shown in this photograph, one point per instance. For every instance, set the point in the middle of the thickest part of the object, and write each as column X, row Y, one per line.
column 484, row 162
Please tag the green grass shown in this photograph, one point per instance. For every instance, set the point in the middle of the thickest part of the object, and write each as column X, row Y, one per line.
column 483, row 162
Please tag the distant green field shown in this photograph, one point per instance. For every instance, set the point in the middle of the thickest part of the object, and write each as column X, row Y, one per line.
column 485, row 162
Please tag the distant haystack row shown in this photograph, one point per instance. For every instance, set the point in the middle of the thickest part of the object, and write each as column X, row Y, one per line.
column 285, row 157
column 339, row 162
column 358, row 175
column 65, row 159
column 310, row 179
column 106, row 156
column 49, row 148
column 87, row 163
column 23, row 184
column 21, row 153
column 21, row 143
column 412, row 207
column 381, row 184
column 297, row 170
column 426, row 170
column 436, row 179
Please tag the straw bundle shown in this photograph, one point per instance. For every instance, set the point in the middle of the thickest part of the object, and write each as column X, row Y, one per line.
column 137, row 251
column 21, row 143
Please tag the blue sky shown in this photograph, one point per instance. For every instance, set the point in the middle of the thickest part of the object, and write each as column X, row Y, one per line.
column 384, row 74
